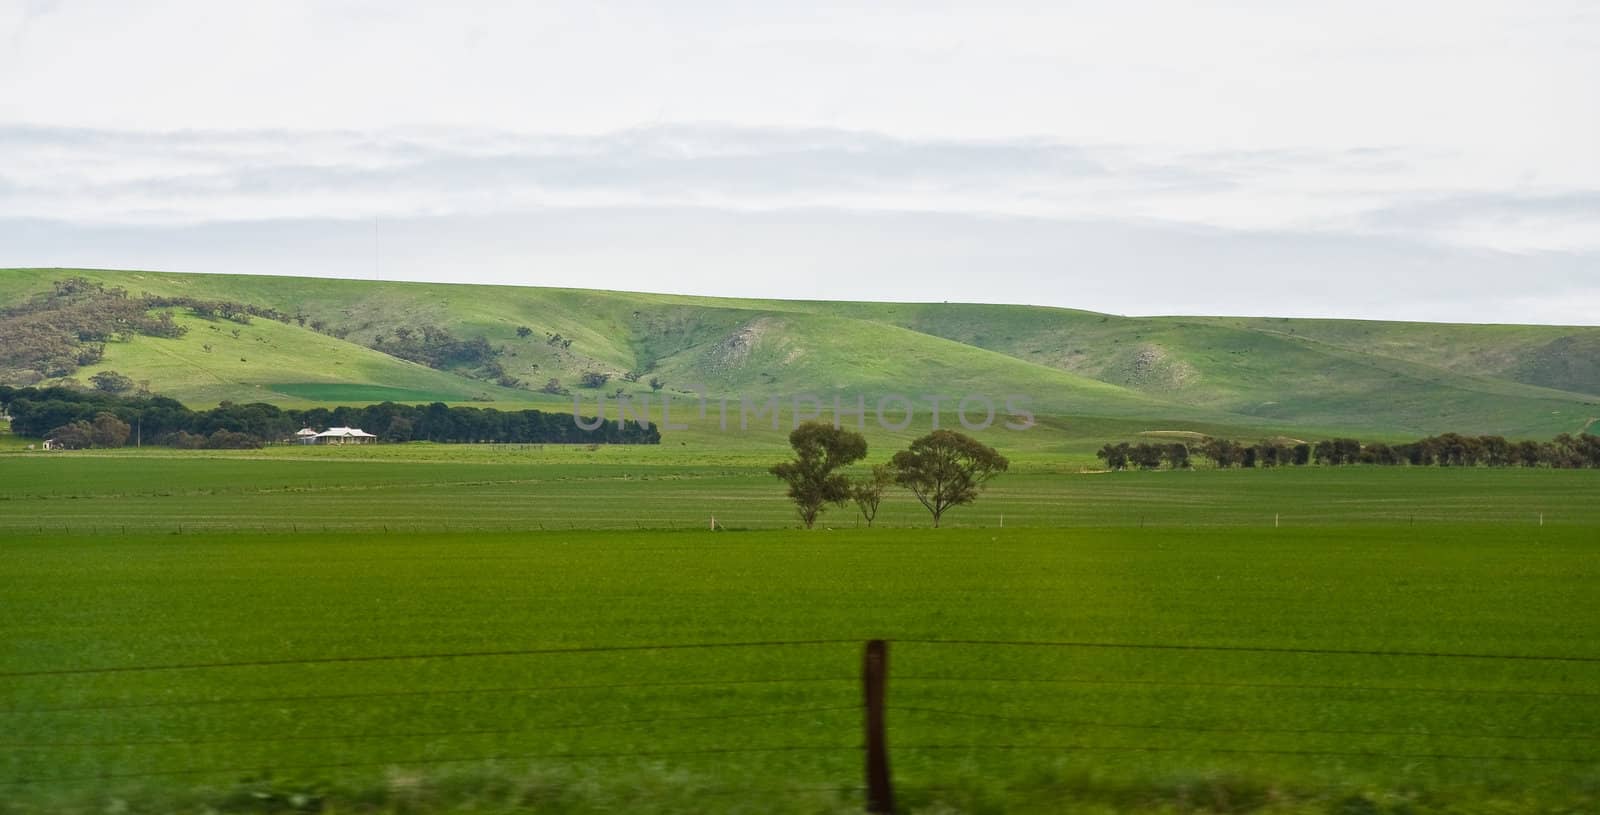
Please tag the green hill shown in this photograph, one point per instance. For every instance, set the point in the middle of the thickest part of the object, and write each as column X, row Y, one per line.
column 1323, row 375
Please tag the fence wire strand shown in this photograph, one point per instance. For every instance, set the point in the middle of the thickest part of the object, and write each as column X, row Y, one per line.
column 1258, row 649
column 1307, row 731
column 516, row 652
column 1252, row 685
column 1144, row 748
column 332, row 697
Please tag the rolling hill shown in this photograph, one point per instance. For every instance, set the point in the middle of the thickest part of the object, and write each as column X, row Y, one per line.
column 1374, row 377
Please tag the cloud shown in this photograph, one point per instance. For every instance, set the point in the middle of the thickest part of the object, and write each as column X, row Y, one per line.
column 1565, row 220
column 189, row 177
column 810, row 212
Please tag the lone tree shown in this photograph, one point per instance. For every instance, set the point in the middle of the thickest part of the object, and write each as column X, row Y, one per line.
column 111, row 382
column 868, row 491
column 946, row 469
column 820, row 450
column 108, row 431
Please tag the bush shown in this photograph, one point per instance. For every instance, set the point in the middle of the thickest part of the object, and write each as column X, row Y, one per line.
column 111, row 382
column 229, row 440
column 109, row 431
column 73, row 436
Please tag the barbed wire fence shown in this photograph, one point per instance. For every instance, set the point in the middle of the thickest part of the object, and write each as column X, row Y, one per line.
column 873, row 699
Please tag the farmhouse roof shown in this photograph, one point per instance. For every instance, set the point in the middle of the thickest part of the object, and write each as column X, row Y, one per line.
column 346, row 432
column 306, row 431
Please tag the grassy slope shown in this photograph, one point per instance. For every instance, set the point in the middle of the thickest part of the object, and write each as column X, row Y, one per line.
column 1552, row 356
column 1389, row 378
column 1265, row 370
column 268, row 353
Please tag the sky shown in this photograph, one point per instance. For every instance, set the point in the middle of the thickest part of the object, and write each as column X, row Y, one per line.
column 1412, row 160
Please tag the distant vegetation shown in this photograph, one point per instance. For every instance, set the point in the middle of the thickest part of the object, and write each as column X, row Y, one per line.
column 436, row 347
column 54, row 333
column 1565, row 451
column 943, row 469
column 80, row 419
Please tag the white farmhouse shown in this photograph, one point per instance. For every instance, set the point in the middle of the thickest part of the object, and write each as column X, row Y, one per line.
column 344, row 435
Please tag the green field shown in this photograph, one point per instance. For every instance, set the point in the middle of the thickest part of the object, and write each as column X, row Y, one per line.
column 435, row 488
column 304, row 563
column 716, row 729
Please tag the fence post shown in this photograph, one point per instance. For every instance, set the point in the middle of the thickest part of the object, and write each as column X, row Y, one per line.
column 874, row 679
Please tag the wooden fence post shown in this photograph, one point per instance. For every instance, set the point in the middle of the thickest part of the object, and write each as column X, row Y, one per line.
column 874, row 681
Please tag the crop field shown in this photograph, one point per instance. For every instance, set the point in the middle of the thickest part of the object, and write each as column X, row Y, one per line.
column 423, row 628
column 485, row 672
column 423, row 488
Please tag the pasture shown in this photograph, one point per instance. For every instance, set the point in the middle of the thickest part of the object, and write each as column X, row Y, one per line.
column 283, row 707
column 326, row 630
column 437, row 488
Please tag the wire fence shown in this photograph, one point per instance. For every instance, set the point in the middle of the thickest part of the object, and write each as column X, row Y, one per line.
column 35, row 755
column 780, row 519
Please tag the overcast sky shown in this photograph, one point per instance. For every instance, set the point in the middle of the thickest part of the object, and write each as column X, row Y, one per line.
column 1418, row 160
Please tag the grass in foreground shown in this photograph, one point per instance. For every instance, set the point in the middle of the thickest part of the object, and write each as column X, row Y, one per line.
column 1108, row 728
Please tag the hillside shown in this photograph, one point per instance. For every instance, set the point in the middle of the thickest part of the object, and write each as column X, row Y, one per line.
column 1398, row 378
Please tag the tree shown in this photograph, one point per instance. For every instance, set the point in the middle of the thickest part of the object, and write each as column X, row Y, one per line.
column 656, row 383
column 594, row 379
column 1146, row 456
column 868, row 491
column 1380, row 454
column 1223, row 452
column 1114, row 455
column 1177, row 455
column 400, row 430
column 820, row 450
column 111, row 382
column 946, row 469
column 1327, row 453
column 73, row 435
column 109, row 431
column 524, row 332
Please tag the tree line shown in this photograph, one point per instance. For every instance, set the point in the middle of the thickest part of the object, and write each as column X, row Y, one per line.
column 1565, row 451
column 71, row 416
column 943, row 469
